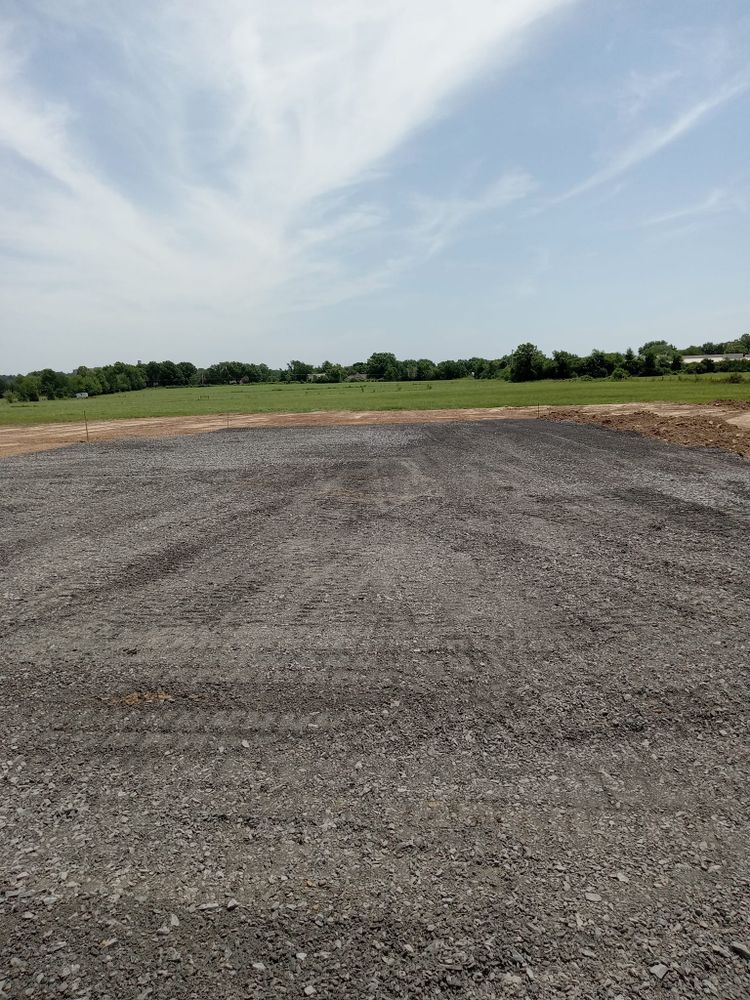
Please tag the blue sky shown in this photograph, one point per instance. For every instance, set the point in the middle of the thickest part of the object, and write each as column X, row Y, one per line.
column 264, row 179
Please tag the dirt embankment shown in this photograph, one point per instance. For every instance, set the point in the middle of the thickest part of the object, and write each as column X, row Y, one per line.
column 724, row 424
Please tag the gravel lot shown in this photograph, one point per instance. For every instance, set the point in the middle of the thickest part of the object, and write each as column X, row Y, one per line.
column 409, row 711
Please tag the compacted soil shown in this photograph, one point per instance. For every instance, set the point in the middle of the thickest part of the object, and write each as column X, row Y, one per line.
column 425, row 710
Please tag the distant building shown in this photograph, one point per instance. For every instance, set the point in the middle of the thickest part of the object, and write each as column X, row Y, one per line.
column 82, row 395
column 694, row 359
column 356, row 377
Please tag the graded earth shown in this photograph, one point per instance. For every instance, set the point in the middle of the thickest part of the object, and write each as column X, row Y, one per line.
column 422, row 710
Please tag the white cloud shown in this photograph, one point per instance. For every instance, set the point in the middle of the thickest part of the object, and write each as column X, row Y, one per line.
column 439, row 220
column 716, row 202
column 641, row 89
column 237, row 120
column 653, row 140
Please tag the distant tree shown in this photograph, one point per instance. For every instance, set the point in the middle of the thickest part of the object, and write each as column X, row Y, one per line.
column 187, row 370
column 383, row 365
column 332, row 372
column 475, row 365
column 563, row 364
column 29, row 388
column 52, row 384
column 595, row 365
column 170, row 374
column 451, row 369
column 526, row 363
column 425, row 370
column 299, row 370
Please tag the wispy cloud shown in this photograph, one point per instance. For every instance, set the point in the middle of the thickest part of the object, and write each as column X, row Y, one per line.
column 439, row 220
column 421, row 231
column 189, row 175
column 641, row 89
column 716, row 202
column 656, row 138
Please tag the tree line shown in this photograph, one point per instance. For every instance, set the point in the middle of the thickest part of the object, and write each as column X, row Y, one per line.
column 525, row 364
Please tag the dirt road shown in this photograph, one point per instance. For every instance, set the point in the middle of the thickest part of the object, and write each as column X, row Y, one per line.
column 409, row 711
column 720, row 425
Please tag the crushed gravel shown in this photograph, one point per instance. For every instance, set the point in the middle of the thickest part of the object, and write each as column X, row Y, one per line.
column 380, row 711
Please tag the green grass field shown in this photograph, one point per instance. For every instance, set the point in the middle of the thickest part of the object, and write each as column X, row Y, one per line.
column 372, row 396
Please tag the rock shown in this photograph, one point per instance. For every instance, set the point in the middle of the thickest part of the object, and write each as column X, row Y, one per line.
column 259, row 966
column 593, row 897
column 659, row 970
column 309, row 991
column 209, row 906
column 721, row 951
column 232, row 904
column 740, row 949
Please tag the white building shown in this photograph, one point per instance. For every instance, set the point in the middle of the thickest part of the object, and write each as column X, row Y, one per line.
column 694, row 359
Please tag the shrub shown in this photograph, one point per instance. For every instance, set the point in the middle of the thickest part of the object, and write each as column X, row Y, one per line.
column 619, row 374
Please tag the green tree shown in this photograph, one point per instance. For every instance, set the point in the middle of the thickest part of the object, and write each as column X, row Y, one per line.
column 29, row 388
column 298, row 371
column 564, row 364
column 332, row 372
column 383, row 365
column 526, row 363
column 170, row 374
column 425, row 370
column 187, row 370
column 451, row 369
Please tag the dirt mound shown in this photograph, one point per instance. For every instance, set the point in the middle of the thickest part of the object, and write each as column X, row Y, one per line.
column 711, row 426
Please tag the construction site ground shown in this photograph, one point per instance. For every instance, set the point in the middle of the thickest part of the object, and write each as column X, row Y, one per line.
column 424, row 710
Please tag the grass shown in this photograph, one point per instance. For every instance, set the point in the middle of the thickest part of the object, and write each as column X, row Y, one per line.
column 372, row 396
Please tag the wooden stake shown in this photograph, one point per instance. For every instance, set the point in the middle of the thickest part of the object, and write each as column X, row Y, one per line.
column 86, row 423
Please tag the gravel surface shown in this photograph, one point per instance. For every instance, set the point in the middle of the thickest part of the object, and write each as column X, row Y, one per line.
column 409, row 711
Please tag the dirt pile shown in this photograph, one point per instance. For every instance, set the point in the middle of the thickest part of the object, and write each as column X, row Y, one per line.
column 706, row 426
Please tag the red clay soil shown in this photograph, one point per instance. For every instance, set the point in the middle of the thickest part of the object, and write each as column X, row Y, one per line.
column 724, row 424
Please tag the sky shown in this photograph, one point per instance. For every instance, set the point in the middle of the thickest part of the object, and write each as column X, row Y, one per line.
column 263, row 180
